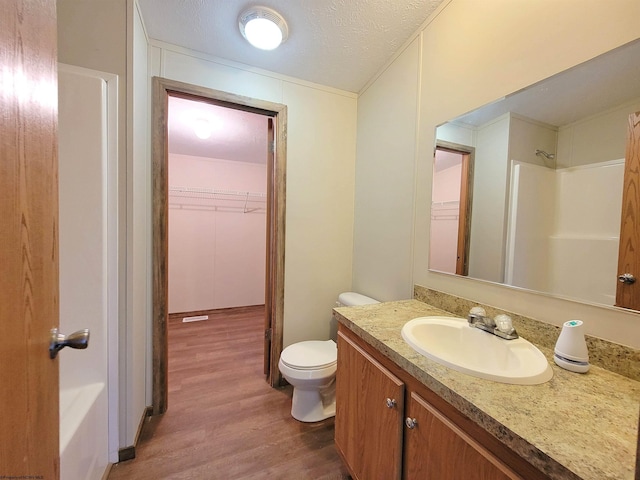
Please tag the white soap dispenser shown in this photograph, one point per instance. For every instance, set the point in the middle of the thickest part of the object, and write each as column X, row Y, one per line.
column 571, row 351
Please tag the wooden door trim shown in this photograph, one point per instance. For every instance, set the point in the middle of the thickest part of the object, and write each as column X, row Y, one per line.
column 269, row 239
column 274, row 290
column 464, row 219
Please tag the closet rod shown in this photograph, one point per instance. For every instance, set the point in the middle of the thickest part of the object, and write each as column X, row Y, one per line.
column 446, row 203
column 213, row 191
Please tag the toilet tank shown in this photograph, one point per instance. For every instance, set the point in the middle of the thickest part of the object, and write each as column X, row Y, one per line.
column 351, row 299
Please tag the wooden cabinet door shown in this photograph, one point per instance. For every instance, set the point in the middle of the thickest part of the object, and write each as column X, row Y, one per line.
column 435, row 448
column 368, row 431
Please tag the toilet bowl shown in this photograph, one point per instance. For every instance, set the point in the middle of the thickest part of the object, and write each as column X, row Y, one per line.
column 310, row 367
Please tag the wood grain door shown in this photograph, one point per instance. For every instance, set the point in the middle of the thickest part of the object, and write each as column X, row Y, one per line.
column 437, row 448
column 628, row 294
column 369, row 409
column 29, row 444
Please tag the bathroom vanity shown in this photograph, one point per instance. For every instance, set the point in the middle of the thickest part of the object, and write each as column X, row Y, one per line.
column 402, row 415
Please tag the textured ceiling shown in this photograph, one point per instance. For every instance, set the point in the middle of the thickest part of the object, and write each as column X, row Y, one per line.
column 235, row 134
column 337, row 43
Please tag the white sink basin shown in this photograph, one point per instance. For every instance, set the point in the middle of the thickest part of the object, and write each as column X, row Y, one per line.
column 452, row 342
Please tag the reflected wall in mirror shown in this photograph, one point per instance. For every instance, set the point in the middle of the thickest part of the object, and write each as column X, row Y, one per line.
column 546, row 189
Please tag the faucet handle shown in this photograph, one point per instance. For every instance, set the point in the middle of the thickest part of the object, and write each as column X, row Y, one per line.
column 478, row 311
column 504, row 323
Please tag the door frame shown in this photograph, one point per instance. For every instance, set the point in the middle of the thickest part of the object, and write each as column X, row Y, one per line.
column 276, row 168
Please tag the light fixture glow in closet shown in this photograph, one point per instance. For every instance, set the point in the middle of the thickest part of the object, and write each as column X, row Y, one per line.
column 263, row 27
column 202, row 128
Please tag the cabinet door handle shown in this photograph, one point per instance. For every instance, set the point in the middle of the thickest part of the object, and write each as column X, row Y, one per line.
column 411, row 423
column 391, row 402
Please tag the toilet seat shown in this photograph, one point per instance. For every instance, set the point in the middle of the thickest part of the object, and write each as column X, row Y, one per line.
column 310, row 355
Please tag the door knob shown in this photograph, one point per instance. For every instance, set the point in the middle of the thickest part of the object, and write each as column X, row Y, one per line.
column 627, row 278
column 79, row 339
column 411, row 422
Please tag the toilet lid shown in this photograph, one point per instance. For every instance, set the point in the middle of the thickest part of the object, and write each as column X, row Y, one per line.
column 310, row 355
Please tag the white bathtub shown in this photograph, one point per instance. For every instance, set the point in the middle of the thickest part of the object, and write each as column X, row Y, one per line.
column 83, row 413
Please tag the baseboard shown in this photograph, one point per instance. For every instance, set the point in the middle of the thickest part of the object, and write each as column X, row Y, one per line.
column 129, row 453
column 107, row 471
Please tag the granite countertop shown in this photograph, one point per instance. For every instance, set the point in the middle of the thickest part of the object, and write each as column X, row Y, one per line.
column 576, row 426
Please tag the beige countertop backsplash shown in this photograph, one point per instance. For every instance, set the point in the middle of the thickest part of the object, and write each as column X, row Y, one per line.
column 574, row 426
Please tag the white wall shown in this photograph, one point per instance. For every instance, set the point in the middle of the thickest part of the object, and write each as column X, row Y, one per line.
column 383, row 230
column 500, row 52
column 320, row 177
column 488, row 218
column 599, row 138
column 217, row 250
column 526, row 136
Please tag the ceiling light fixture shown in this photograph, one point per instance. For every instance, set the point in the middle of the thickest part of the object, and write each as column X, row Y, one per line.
column 202, row 128
column 263, row 27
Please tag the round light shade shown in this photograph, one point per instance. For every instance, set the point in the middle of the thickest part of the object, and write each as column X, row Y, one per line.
column 202, row 128
column 263, row 27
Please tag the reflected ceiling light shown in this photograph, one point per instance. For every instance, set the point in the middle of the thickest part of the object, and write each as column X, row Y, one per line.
column 263, row 27
column 202, row 128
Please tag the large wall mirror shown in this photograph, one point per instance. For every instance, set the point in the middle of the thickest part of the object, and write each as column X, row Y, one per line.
column 528, row 190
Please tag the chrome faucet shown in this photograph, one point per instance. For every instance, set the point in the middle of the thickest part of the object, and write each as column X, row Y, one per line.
column 502, row 325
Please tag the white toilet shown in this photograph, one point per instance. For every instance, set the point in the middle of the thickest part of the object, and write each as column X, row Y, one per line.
column 311, row 368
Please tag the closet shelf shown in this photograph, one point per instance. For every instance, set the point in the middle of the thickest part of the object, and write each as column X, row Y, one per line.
column 447, row 210
column 247, row 201
column 446, row 204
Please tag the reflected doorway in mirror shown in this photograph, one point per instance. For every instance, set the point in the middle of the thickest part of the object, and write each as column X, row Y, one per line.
column 451, row 208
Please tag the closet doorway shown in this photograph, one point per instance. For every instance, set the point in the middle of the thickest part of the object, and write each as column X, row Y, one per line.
column 198, row 178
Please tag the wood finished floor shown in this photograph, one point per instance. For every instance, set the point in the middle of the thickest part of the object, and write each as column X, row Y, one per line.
column 224, row 421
